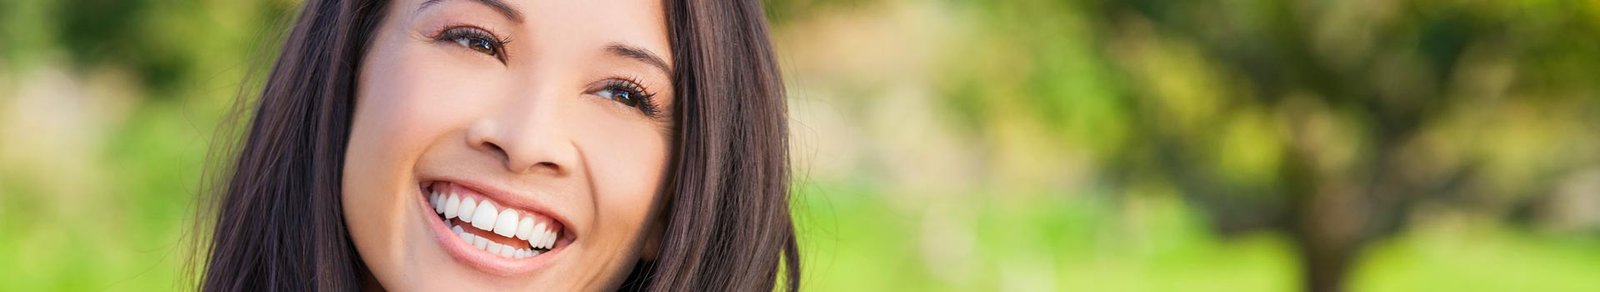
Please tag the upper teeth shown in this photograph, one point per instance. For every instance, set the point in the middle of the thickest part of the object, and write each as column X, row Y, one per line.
column 484, row 215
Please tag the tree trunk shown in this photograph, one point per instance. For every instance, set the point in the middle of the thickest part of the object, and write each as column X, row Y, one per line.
column 1325, row 268
column 1329, row 221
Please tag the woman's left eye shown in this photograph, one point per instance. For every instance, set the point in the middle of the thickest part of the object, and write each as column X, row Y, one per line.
column 629, row 94
column 624, row 96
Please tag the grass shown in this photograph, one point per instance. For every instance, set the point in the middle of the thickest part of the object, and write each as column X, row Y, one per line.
column 858, row 239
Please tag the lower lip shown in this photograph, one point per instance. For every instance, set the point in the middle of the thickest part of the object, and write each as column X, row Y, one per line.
column 471, row 256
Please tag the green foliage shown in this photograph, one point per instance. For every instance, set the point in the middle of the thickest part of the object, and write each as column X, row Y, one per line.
column 1204, row 124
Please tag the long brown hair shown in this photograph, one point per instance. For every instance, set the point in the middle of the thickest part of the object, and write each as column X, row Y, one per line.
column 278, row 221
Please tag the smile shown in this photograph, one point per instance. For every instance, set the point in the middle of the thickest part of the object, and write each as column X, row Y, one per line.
column 491, row 226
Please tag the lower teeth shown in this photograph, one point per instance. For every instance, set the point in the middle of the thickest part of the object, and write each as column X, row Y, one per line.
column 489, row 245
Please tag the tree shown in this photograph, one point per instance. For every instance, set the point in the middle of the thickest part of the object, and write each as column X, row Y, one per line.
column 1329, row 121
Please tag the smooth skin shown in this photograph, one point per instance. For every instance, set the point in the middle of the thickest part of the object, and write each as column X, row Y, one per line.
column 549, row 115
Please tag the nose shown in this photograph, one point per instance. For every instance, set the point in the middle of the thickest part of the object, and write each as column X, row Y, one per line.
column 527, row 137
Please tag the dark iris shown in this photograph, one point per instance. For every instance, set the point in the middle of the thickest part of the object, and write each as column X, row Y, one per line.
column 475, row 39
column 626, row 98
column 629, row 94
column 478, row 44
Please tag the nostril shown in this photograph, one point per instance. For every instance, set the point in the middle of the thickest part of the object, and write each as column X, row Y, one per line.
column 551, row 166
column 520, row 154
column 501, row 152
column 505, row 157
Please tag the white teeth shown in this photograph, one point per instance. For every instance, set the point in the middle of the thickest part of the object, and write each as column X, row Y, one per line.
column 433, row 200
column 507, row 224
column 452, row 206
column 480, row 242
column 525, row 228
column 537, row 236
column 495, row 247
column 549, row 238
column 540, row 237
column 485, row 216
column 467, row 206
column 486, row 244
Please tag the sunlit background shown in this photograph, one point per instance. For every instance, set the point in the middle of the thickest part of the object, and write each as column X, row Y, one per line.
column 965, row 145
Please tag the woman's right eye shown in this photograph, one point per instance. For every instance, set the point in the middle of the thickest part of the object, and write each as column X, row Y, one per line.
column 475, row 39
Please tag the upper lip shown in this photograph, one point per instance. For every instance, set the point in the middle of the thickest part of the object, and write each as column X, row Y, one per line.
column 524, row 201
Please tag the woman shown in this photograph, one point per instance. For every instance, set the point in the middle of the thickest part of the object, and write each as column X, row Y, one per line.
column 464, row 145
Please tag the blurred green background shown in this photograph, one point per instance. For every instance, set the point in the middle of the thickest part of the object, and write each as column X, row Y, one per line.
column 1007, row 145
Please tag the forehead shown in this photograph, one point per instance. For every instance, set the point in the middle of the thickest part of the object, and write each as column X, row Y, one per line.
column 640, row 23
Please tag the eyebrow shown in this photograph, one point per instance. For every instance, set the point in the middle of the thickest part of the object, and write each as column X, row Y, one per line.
column 499, row 6
column 641, row 55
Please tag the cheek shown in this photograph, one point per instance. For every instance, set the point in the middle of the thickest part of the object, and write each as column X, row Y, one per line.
column 400, row 110
column 406, row 100
column 627, row 159
column 627, row 169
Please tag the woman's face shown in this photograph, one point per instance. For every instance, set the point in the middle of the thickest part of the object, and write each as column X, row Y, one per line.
column 509, row 144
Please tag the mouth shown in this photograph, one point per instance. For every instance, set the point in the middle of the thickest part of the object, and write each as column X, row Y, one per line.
column 489, row 232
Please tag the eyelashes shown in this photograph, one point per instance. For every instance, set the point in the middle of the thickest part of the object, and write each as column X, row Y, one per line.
column 476, row 39
column 625, row 91
column 628, row 92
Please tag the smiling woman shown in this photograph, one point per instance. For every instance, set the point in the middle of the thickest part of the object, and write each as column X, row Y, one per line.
column 512, row 144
